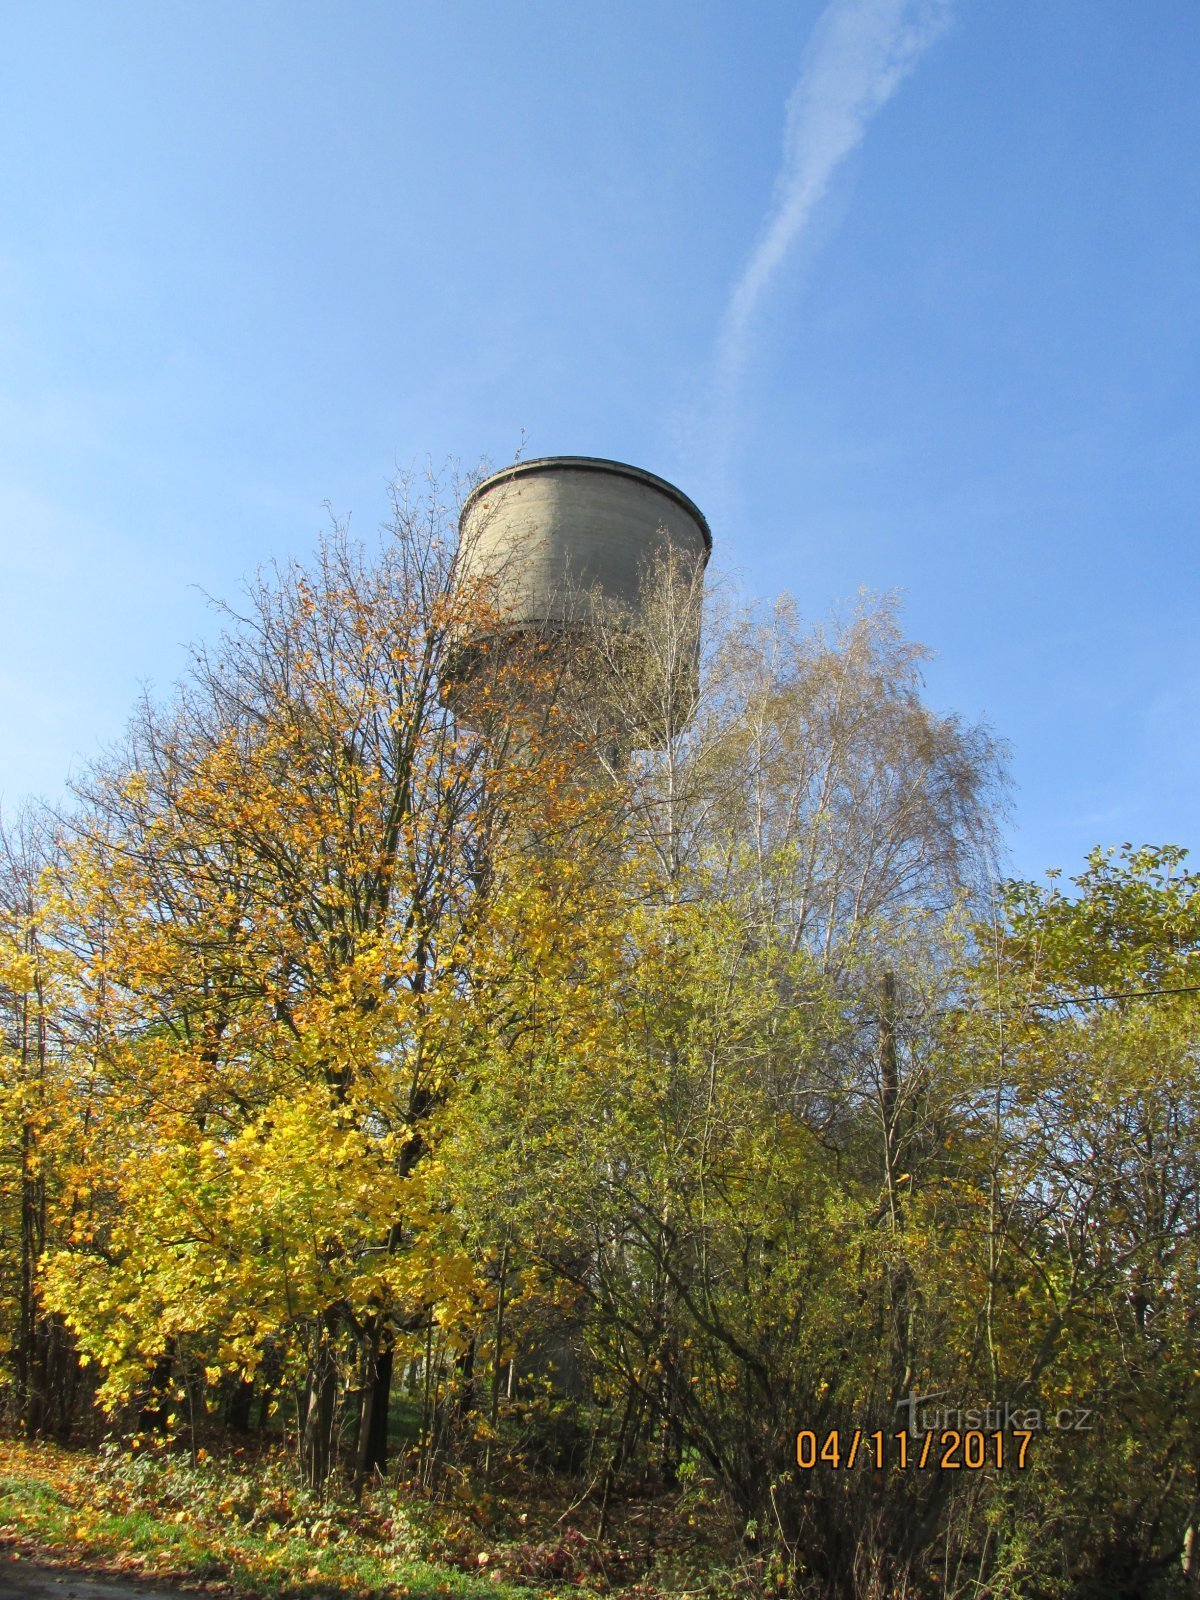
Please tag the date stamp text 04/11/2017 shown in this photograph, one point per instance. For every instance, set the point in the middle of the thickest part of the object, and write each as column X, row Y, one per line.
column 950, row 1450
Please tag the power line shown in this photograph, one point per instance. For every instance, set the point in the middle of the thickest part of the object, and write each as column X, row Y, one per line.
column 1115, row 994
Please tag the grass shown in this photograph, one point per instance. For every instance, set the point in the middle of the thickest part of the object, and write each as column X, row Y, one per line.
column 240, row 1524
column 246, row 1530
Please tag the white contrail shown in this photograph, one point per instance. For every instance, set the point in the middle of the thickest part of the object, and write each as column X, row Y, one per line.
column 861, row 50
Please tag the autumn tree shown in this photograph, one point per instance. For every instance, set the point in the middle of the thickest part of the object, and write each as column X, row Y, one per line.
column 686, row 1116
column 39, row 1092
column 1081, row 1043
column 276, row 876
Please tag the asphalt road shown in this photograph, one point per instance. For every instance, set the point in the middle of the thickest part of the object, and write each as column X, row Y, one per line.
column 24, row 1580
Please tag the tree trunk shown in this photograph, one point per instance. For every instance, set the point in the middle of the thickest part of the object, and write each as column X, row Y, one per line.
column 377, row 1434
column 371, row 1449
column 316, row 1443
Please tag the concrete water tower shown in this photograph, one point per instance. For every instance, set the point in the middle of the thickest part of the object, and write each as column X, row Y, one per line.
column 564, row 547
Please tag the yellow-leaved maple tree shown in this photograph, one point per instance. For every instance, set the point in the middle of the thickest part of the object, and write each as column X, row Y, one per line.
column 272, row 891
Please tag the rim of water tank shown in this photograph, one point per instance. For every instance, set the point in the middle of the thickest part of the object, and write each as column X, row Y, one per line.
column 622, row 469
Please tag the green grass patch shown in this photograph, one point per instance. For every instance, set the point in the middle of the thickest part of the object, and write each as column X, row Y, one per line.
column 252, row 1529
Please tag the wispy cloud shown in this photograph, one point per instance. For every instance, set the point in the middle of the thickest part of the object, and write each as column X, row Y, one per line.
column 859, row 54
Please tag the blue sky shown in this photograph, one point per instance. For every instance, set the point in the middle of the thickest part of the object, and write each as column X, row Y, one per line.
column 904, row 293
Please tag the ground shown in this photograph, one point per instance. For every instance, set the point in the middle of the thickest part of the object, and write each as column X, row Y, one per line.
column 24, row 1580
column 120, row 1523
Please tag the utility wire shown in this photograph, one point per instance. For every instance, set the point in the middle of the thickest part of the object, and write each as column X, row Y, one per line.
column 1116, row 994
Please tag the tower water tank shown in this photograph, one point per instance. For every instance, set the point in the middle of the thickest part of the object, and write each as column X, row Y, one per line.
column 567, row 546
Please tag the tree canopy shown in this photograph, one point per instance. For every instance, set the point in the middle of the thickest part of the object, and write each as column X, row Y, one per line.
column 631, row 1112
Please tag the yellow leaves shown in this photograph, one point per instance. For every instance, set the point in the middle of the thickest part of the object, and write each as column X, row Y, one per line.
column 269, row 1228
column 262, row 914
column 18, row 971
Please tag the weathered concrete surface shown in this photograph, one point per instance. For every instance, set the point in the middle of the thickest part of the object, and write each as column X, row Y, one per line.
column 562, row 548
column 547, row 531
column 26, row 1580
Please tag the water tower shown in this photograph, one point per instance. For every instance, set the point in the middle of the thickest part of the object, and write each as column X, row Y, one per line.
column 565, row 547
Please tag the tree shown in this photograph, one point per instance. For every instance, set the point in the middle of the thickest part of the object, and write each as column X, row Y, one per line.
column 273, row 883
column 1082, row 1045
column 43, row 1087
column 679, row 1111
